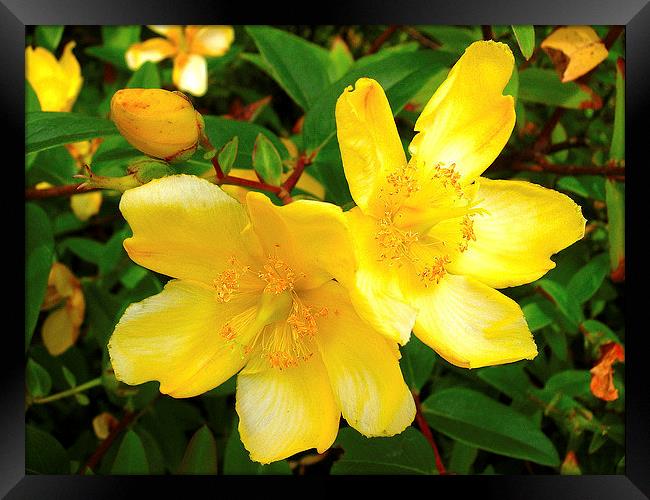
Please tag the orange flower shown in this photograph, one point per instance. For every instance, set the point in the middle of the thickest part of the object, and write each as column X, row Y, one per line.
column 602, row 374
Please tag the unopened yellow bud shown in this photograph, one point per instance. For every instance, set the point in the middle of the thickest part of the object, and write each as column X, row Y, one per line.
column 159, row 123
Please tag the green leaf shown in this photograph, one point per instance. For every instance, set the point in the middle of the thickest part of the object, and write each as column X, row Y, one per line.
column 303, row 82
column 570, row 382
column 48, row 36
column 538, row 313
column 39, row 255
column 267, row 161
column 566, row 303
column 37, row 379
column 462, row 458
column 512, row 87
column 557, row 341
column 586, row 282
column 416, row 363
column 401, row 75
column 44, row 454
column 228, row 155
column 112, row 55
column 587, row 186
column 341, row 59
column 201, row 454
column 49, row 129
column 600, row 331
column 221, row 130
column 525, row 35
column 131, row 457
column 544, row 87
column 146, row 77
column 617, row 147
column 510, row 379
column 406, row 453
column 113, row 251
column 120, row 37
column 452, row 38
column 237, row 462
column 476, row 420
column 615, row 199
column 69, row 376
column 84, row 248
column 31, row 99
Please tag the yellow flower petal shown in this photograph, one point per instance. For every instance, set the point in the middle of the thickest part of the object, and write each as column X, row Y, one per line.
column 173, row 33
column 173, row 337
column 522, row 226
column 468, row 121
column 209, row 40
column 575, row 50
column 376, row 290
column 154, row 50
column 310, row 236
column 368, row 138
column 191, row 73
column 85, row 205
column 56, row 83
column 363, row 370
column 59, row 333
column 472, row 325
column 283, row 412
column 185, row 227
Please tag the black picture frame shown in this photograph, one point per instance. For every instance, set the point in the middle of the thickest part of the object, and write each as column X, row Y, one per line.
column 15, row 15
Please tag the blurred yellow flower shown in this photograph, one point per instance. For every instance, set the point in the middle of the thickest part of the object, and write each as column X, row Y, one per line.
column 65, row 296
column 574, row 50
column 56, row 83
column 160, row 123
column 254, row 294
column 187, row 46
column 433, row 238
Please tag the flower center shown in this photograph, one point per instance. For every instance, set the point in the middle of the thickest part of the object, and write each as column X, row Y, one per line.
column 280, row 327
column 427, row 220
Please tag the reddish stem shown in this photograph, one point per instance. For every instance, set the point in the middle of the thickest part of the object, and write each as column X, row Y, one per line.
column 424, row 427
column 106, row 443
column 424, row 40
column 66, row 190
column 381, row 39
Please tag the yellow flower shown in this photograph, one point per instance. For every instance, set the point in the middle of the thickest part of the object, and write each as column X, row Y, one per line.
column 575, row 50
column 187, row 46
column 433, row 238
column 61, row 327
column 253, row 294
column 56, row 83
column 159, row 123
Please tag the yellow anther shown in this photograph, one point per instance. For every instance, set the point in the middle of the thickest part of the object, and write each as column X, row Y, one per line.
column 448, row 176
column 394, row 242
column 435, row 271
column 467, row 232
column 278, row 276
column 404, row 180
column 228, row 332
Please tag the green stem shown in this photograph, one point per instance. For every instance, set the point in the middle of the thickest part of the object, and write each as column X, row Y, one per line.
column 70, row 392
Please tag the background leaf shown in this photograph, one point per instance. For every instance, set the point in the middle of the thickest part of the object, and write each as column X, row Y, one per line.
column 477, row 420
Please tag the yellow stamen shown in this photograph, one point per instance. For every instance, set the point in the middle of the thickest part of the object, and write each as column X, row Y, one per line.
column 435, row 271
column 227, row 283
column 404, row 180
column 394, row 242
column 448, row 176
column 278, row 276
column 467, row 232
